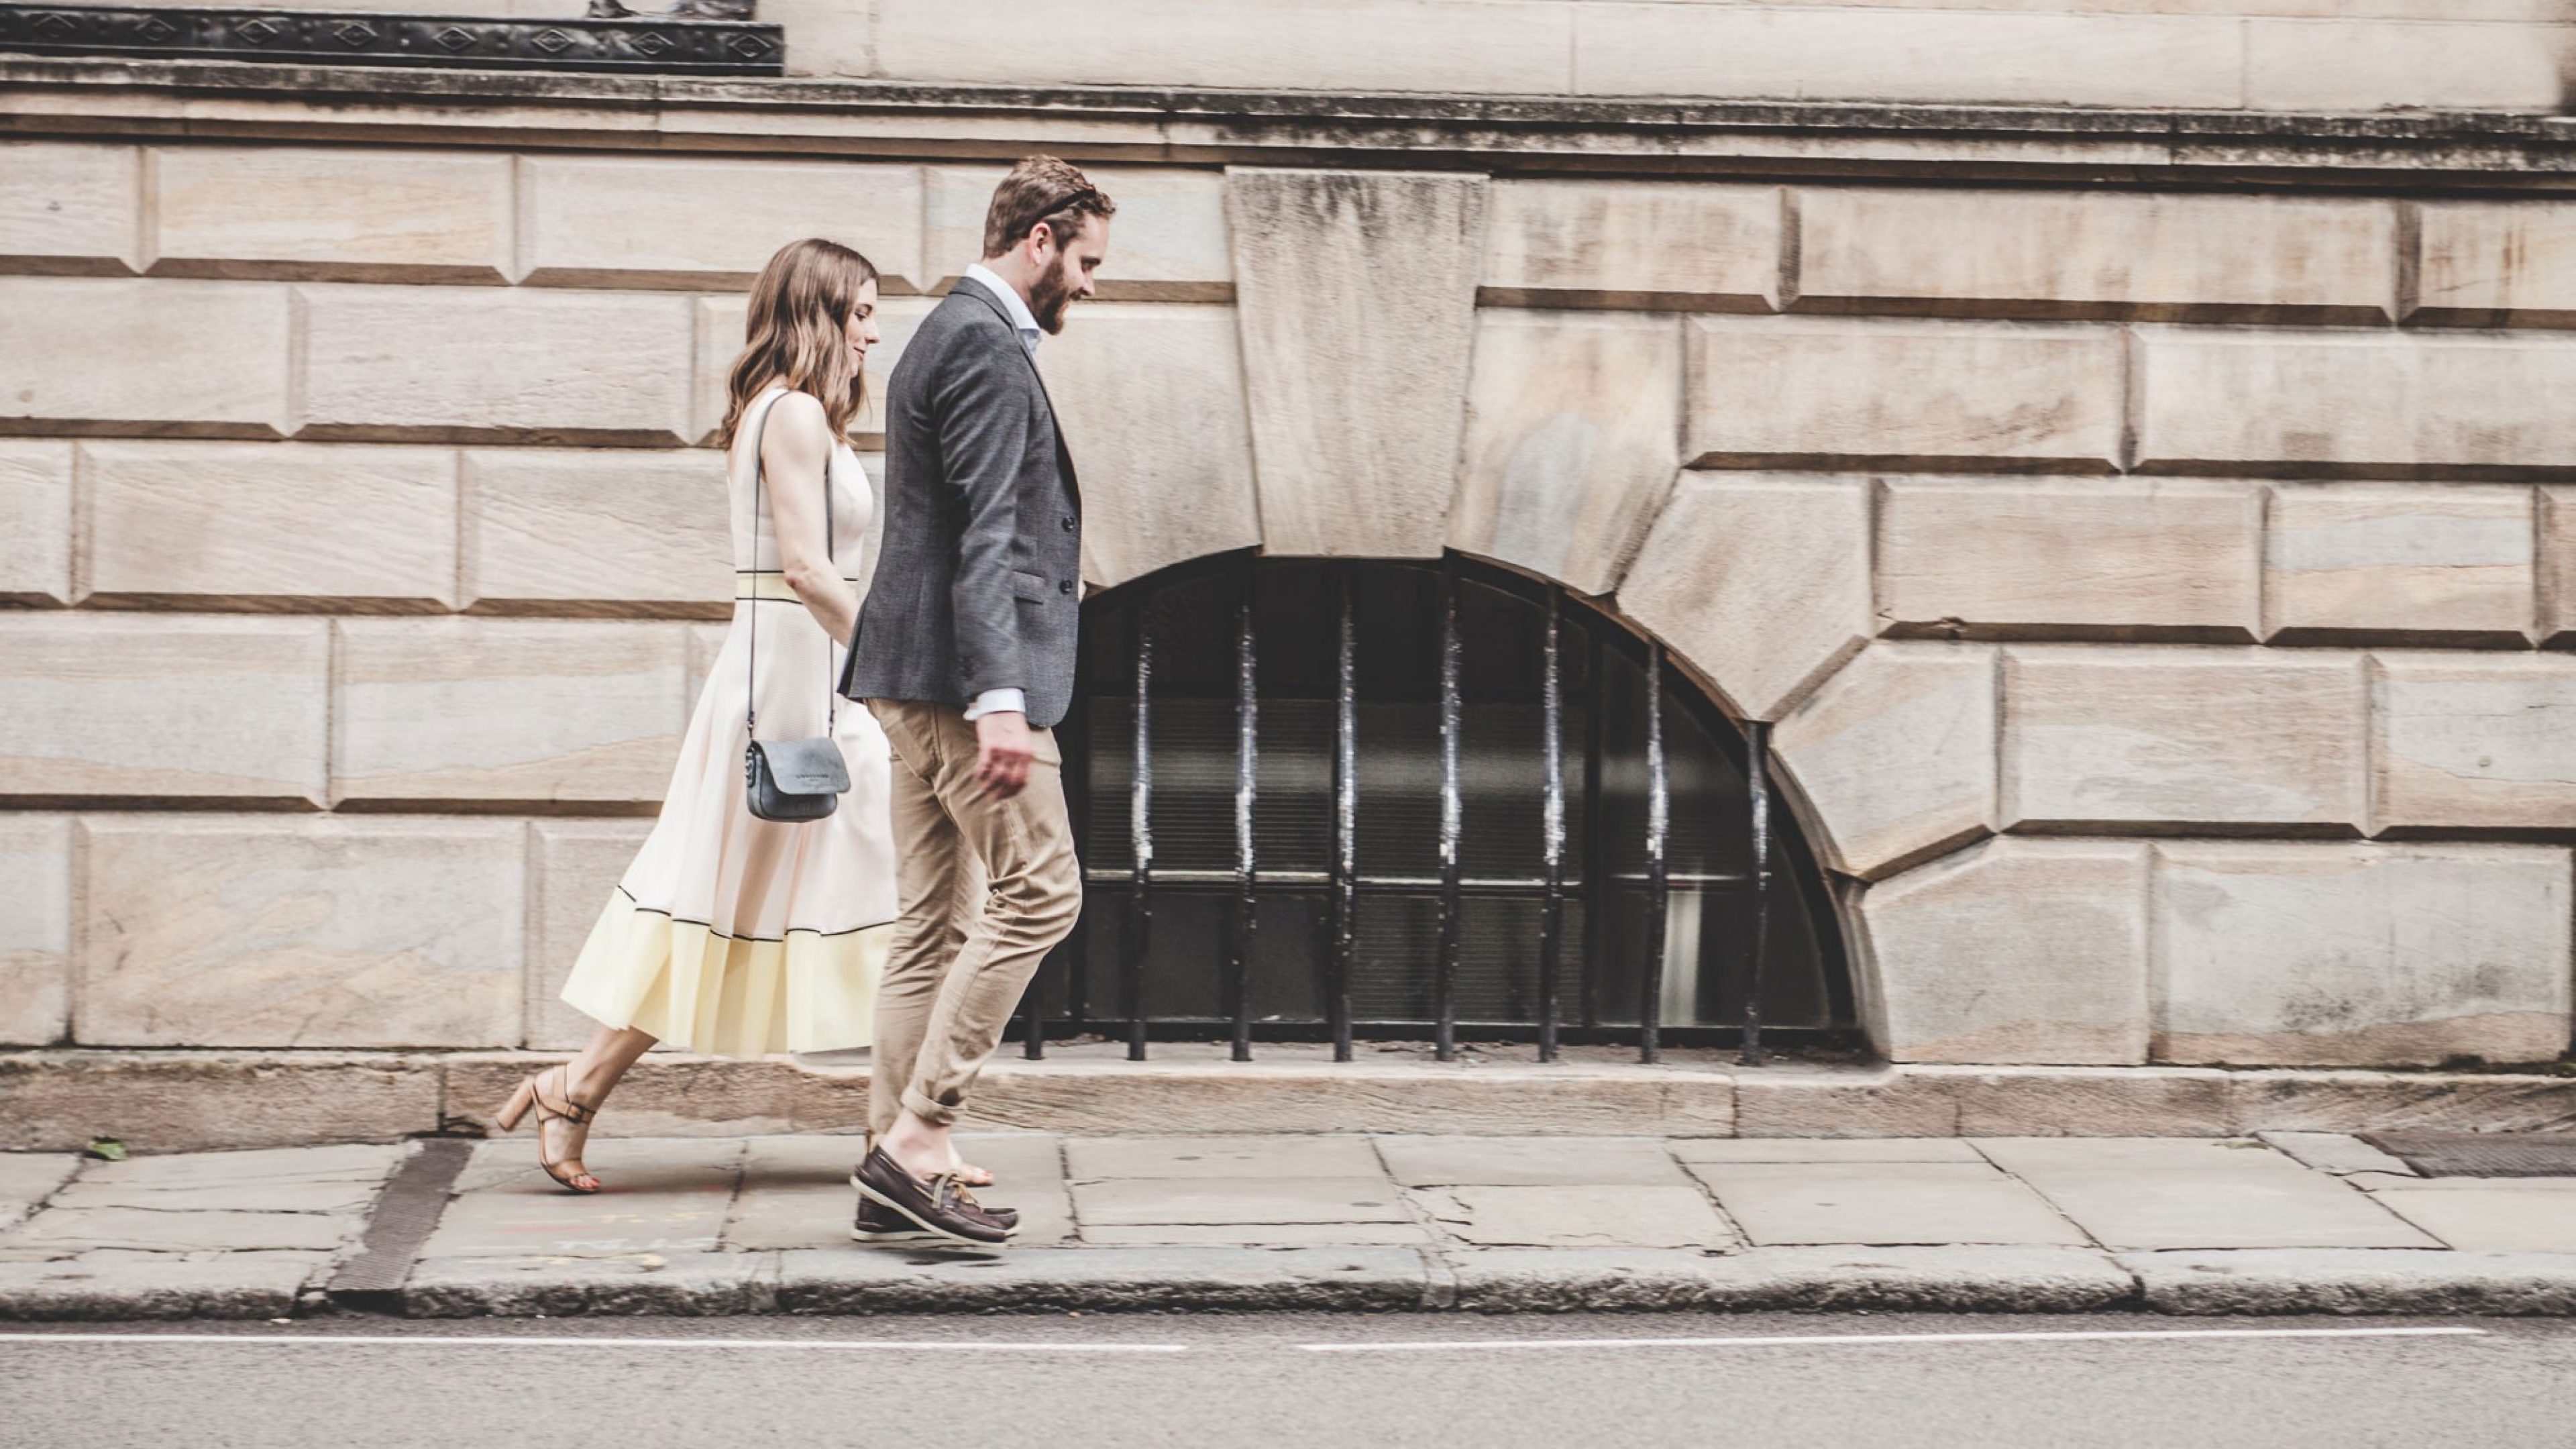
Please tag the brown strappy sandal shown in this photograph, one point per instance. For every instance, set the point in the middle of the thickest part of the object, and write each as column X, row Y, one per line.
column 553, row 1104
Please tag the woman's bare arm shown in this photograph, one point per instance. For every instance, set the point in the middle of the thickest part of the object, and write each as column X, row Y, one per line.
column 797, row 451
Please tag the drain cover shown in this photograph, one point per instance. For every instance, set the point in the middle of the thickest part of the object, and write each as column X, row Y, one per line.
column 2481, row 1154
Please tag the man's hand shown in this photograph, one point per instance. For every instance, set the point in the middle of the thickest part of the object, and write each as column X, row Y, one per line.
column 1003, row 753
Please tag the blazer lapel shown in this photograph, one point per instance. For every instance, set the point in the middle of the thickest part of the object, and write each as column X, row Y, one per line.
column 1063, row 454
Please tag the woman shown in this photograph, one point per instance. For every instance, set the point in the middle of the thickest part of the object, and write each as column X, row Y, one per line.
column 731, row 934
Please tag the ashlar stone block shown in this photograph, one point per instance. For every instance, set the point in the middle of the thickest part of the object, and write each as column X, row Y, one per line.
column 2472, row 741
column 597, row 532
column 2169, row 738
column 573, row 865
column 2556, row 565
column 1895, row 755
column 658, row 221
column 1667, row 246
column 194, row 524
column 1151, row 402
column 347, row 213
column 1762, row 582
column 35, row 930
column 428, row 364
column 1814, row 392
column 1573, row 421
column 2346, row 954
column 134, row 356
column 2015, row 951
column 36, row 518
column 1168, row 243
column 720, row 327
column 481, row 710
column 2400, row 563
column 236, row 931
column 1358, row 309
column 2122, row 558
column 2496, row 264
column 125, row 707
column 2096, row 254
column 2353, row 404
column 2369, row 65
column 70, row 208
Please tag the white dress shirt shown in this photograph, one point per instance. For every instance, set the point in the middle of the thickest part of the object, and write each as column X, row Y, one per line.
column 1005, row 700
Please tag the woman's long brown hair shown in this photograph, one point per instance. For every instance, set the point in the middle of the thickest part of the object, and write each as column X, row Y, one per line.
column 797, row 333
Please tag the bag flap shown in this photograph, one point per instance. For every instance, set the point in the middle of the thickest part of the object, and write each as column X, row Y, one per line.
column 805, row 767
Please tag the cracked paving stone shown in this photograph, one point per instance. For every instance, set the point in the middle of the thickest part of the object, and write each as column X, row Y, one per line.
column 1139, row 1201
column 329, row 1196
column 79, row 1229
column 1575, row 1217
column 1221, row 1157
column 28, row 1178
column 1530, row 1161
column 1924, row 1203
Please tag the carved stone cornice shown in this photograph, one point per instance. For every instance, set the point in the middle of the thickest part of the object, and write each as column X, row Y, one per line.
column 648, row 45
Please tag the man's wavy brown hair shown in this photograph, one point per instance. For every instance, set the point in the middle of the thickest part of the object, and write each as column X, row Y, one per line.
column 797, row 333
column 1042, row 189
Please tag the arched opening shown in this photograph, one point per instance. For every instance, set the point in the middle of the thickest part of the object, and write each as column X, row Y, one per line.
column 1313, row 799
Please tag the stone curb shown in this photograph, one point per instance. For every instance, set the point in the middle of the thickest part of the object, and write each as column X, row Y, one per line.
column 1319, row 1279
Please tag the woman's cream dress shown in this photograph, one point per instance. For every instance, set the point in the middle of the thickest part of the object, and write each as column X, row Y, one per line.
column 736, row 935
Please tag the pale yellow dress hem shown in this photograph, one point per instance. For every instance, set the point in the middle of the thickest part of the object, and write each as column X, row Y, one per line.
column 696, row 989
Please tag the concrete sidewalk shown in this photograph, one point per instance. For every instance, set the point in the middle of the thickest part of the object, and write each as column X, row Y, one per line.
column 2294, row 1222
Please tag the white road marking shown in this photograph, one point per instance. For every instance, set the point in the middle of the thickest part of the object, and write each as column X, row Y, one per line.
column 1789, row 1340
column 408, row 1340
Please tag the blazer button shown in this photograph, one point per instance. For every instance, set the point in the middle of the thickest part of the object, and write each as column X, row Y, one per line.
column 1066, row 587
column 1068, row 523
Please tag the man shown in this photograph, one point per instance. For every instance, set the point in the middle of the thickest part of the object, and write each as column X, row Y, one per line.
column 965, row 655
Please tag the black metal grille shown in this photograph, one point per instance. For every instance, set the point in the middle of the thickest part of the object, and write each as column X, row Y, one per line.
column 1328, row 800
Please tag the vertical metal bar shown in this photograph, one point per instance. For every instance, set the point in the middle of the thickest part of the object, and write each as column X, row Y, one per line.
column 1757, row 792
column 1346, row 811
column 1444, row 985
column 1551, row 916
column 1247, row 761
column 1073, row 739
column 1598, row 887
column 1650, row 1017
column 1140, row 831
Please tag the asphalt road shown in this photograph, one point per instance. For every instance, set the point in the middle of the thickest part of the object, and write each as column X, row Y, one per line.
column 1277, row 1380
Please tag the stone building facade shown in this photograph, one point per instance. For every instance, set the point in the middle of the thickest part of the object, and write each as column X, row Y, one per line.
column 2120, row 446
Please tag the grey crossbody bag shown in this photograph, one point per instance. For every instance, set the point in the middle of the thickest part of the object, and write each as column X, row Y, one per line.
column 789, row 780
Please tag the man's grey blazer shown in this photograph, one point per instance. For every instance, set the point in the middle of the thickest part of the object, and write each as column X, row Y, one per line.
column 979, row 579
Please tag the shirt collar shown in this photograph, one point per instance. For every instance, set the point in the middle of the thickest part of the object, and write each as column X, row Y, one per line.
column 1021, row 317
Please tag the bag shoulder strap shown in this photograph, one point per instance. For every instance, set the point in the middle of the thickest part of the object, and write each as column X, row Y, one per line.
column 751, row 650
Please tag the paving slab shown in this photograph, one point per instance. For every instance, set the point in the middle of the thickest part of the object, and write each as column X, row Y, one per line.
column 2355, row 1280
column 679, row 1285
column 2340, row 1153
column 2166, row 1193
column 1132, row 1201
column 881, row 1280
column 1089, row 1158
column 1782, row 1203
column 234, row 1285
column 1942, row 1279
column 1823, row 1149
column 28, row 1178
column 1247, row 1235
column 624, row 1164
column 1529, row 1161
column 1015, row 1158
column 1575, row 1217
column 75, row 1230
column 664, row 1196
column 2496, row 1219
column 340, row 1196
column 348, row 1163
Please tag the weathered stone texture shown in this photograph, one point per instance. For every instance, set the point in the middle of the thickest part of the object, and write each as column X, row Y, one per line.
column 2096, row 254
column 2016, row 951
column 421, row 363
column 2557, row 565
column 1150, row 399
column 69, row 207
column 664, row 222
column 489, row 709
column 134, row 707
column 720, row 326
column 2126, row 558
column 573, row 865
column 344, row 212
column 2355, row 404
column 597, row 531
column 1634, row 244
column 2344, row 954
column 2402, row 563
column 165, row 1101
column 2305, row 65
column 239, row 931
column 35, row 928
column 1168, row 241
column 2497, row 264
column 36, row 518
column 1895, row 755
column 198, row 523
column 1572, row 425
column 2155, row 738
column 1358, row 311
column 2473, row 741
column 1781, row 391
column 1762, row 582
column 150, row 357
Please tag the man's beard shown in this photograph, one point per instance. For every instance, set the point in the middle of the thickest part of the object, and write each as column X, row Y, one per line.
column 1048, row 299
